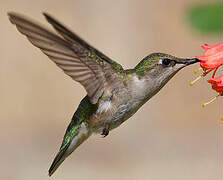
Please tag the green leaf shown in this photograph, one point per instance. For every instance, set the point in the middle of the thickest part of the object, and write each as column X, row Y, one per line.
column 207, row 17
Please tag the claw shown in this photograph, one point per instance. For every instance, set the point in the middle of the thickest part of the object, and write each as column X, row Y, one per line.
column 105, row 132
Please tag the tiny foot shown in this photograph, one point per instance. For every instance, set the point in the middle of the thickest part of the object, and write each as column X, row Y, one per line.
column 105, row 132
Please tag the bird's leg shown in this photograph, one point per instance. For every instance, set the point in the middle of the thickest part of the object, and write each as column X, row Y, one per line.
column 105, row 131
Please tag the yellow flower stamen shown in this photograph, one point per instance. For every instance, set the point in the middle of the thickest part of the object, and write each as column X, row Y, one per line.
column 221, row 118
column 196, row 70
column 205, row 104
column 192, row 82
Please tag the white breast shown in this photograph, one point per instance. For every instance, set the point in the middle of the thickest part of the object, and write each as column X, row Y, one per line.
column 104, row 107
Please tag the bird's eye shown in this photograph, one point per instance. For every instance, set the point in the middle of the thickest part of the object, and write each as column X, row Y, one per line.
column 166, row 61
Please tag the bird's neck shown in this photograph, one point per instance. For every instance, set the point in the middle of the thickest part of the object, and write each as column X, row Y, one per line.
column 141, row 86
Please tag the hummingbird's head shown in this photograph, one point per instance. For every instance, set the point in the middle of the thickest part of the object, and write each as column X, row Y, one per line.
column 160, row 67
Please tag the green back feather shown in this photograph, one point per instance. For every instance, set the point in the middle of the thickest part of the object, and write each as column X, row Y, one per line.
column 85, row 109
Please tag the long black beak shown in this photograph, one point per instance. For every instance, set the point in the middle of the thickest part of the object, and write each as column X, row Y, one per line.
column 191, row 61
column 188, row 61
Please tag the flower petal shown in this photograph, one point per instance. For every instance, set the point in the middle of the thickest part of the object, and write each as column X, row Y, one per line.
column 212, row 50
column 217, row 83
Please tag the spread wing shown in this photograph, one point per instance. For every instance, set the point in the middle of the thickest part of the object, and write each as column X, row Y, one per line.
column 75, row 39
column 75, row 57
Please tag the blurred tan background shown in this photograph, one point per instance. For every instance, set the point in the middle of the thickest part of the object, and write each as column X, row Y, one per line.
column 170, row 137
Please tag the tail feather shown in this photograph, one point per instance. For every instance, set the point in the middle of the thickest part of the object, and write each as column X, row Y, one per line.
column 60, row 157
column 69, row 145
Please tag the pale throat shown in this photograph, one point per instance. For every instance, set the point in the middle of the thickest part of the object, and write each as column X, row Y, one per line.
column 145, row 87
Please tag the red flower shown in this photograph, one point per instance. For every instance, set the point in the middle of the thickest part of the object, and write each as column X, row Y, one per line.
column 217, row 84
column 211, row 60
column 213, row 56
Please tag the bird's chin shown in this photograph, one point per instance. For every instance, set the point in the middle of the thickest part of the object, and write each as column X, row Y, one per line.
column 178, row 67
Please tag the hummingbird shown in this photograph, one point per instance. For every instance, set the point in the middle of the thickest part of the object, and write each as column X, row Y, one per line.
column 113, row 93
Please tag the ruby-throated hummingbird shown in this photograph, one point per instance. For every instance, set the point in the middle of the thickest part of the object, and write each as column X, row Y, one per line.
column 113, row 94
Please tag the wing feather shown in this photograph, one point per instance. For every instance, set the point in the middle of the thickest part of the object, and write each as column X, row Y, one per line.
column 74, row 56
